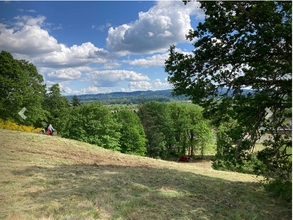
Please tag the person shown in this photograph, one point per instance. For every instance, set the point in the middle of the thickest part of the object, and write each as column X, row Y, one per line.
column 51, row 129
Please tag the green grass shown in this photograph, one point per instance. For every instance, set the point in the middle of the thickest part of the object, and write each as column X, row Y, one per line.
column 44, row 177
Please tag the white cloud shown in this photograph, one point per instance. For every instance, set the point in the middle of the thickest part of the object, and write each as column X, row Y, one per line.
column 155, row 60
column 33, row 11
column 144, row 85
column 89, row 90
column 111, row 78
column 30, row 21
column 64, row 74
column 155, row 30
column 112, row 65
column 68, row 90
column 102, row 27
column 86, row 68
column 74, row 56
column 30, row 40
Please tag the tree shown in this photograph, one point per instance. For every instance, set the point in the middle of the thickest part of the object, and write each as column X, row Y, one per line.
column 92, row 123
column 21, row 86
column 132, row 140
column 199, row 131
column 181, row 124
column 240, row 45
column 164, row 123
column 58, row 109
column 155, row 144
column 75, row 101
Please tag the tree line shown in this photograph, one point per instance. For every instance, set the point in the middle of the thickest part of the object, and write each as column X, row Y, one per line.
column 157, row 129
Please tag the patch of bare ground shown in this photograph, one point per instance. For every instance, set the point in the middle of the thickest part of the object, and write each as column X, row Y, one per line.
column 44, row 177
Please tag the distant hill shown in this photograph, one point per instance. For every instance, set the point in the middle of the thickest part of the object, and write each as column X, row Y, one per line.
column 137, row 96
column 134, row 97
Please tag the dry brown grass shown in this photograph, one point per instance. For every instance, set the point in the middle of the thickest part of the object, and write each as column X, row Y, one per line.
column 44, row 177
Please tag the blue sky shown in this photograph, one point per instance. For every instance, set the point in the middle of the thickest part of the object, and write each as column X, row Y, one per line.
column 98, row 46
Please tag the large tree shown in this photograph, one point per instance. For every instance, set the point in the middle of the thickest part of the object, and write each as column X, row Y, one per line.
column 21, row 86
column 156, row 144
column 242, row 45
column 132, row 140
column 58, row 108
column 92, row 123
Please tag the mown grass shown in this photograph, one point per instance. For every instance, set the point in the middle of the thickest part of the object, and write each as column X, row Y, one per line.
column 45, row 177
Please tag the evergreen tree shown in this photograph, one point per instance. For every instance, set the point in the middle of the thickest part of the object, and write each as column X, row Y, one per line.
column 75, row 101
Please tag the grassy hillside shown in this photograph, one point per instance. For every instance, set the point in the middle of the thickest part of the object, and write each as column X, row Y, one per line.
column 44, row 177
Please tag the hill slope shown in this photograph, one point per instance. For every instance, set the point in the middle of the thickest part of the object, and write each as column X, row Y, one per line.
column 44, row 177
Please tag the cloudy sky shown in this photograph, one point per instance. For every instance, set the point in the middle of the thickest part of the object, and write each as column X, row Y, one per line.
column 98, row 46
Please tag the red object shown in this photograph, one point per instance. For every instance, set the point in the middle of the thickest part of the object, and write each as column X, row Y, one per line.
column 186, row 159
column 48, row 131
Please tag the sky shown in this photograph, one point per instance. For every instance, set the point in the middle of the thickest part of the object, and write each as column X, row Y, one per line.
column 98, row 46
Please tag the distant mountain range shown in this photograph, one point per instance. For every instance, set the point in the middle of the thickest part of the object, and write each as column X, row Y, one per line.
column 158, row 95
column 163, row 95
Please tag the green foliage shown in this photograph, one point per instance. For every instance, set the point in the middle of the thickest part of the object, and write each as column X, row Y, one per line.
column 239, row 45
column 199, row 132
column 75, row 101
column 20, row 86
column 156, row 139
column 58, row 109
column 174, row 129
column 181, row 121
column 92, row 123
column 132, row 140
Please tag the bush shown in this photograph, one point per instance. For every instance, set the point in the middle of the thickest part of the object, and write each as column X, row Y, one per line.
column 13, row 126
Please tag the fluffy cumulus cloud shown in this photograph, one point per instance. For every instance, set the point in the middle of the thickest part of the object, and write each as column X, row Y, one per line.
column 111, row 78
column 144, row 85
column 164, row 24
column 30, row 40
column 64, row 74
column 74, row 56
column 89, row 90
column 27, row 40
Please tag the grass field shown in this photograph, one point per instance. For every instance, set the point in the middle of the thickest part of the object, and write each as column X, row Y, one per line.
column 44, row 177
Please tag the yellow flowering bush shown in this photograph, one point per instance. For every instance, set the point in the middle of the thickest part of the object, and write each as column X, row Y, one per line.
column 13, row 126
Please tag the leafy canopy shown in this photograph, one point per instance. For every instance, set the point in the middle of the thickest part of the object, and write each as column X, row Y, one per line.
column 132, row 140
column 20, row 86
column 241, row 45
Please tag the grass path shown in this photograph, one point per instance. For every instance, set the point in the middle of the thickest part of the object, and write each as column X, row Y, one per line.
column 44, row 177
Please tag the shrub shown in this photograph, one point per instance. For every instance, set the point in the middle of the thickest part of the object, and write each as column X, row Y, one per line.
column 13, row 126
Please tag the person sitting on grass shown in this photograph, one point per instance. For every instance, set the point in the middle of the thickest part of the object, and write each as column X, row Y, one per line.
column 51, row 129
